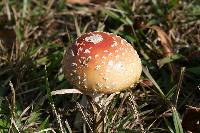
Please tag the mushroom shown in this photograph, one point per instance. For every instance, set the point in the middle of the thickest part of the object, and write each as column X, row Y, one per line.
column 101, row 63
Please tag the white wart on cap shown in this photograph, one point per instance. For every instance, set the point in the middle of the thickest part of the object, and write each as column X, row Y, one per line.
column 101, row 62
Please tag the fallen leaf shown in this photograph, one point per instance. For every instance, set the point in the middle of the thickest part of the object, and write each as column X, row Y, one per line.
column 7, row 38
column 146, row 83
column 166, row 43
column 191, row 119
column 164, row 39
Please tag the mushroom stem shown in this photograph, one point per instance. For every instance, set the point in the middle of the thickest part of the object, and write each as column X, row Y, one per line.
column 99, row 103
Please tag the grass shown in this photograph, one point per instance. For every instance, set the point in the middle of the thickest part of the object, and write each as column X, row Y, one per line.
column 35, row 34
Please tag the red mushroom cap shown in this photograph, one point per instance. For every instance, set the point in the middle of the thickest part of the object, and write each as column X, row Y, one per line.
column 102, row 62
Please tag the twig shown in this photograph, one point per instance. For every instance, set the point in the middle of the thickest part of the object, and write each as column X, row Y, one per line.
column 15, row 125
column 57, row 117
column 12, row 108
column 179, row 85
column 84, row 116
column 78, row 32
column 52, row 102
column 68, row 127
column 7, row 9
column 13, row 99
column 65, row 91
column 136, row 113
column 120, row 107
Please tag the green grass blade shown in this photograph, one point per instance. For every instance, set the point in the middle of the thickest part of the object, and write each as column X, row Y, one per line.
column 153, row 81
column 177, row 121
column 44, row 123
column 47, row 87
column 167, row 123
column 194, row 70
column 168, row 59
column 171, row 92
